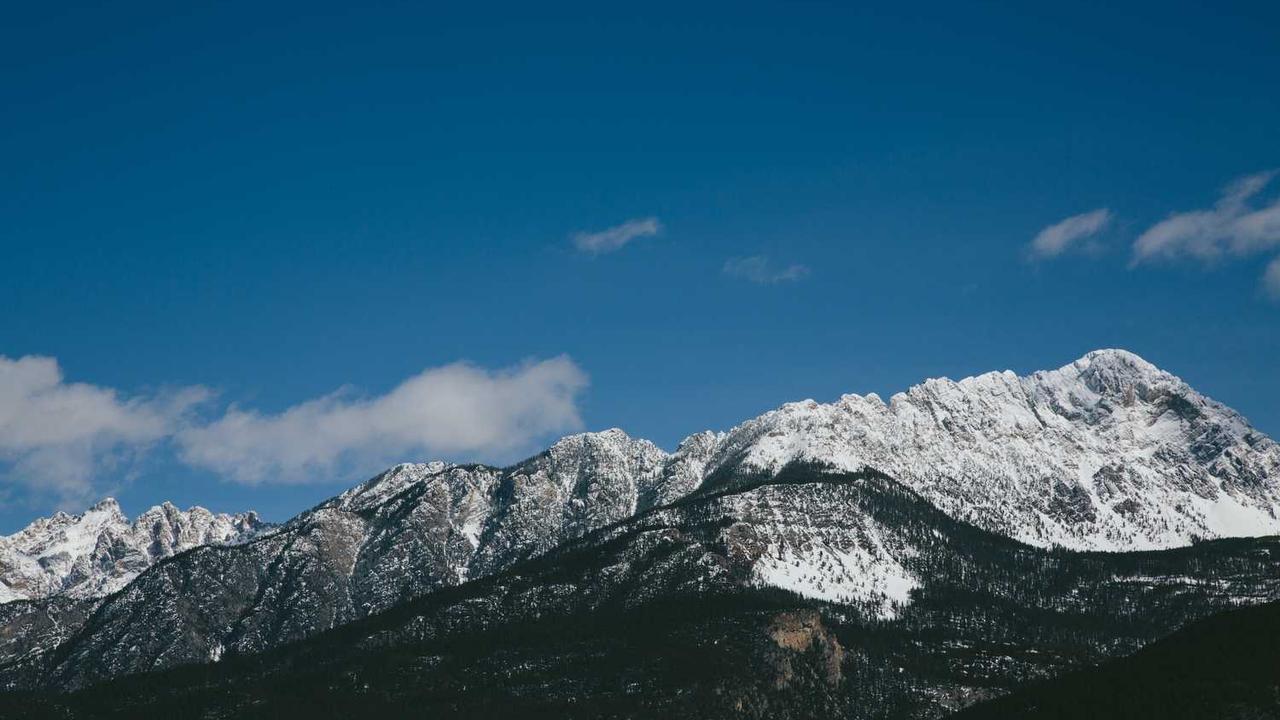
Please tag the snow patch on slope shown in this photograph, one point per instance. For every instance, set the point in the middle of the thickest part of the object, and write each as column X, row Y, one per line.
column 835, row 575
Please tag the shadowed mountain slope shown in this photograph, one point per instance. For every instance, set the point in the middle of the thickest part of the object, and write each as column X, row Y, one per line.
column 1226, row 667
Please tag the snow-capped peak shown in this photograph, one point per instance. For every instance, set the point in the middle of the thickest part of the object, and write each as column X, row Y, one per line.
column 1108, row 452
column 100, row 550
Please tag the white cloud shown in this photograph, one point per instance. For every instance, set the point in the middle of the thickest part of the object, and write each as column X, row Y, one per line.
column 453, row 409
column 56, row 436
column 1231, row 227
column 759, row 269
column 75, row 440
column 614, row 238
column 1069, row 233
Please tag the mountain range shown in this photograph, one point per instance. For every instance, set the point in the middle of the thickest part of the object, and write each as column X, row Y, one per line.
column 861, row 558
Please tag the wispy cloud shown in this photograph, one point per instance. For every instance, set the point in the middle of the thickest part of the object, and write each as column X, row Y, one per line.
column 57, row 437
column 453, row 409
column 760, row 269
column 1068, row 234
column 1271, row 279
column 617, row 237
column 1235, row 226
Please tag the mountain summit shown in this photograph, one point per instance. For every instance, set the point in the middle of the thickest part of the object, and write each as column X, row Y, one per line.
column 1106, row 453
column 100, row 551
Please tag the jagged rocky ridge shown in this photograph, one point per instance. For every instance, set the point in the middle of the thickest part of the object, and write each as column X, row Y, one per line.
column 1108, row 452
column 411, row 530
column 668, row 614
column 100, row 551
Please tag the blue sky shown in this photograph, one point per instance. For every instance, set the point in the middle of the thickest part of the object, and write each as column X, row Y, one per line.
column 210, row 216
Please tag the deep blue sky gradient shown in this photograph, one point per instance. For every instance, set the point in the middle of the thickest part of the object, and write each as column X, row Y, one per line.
column 277, row 201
